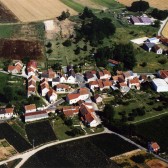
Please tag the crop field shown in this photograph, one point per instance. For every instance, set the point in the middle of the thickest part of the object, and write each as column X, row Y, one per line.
column 14, row 139
column 36, row 10
column 165, row 31
column 88, row 152
column 40, row 132
column 160, row 4
column 155, row 130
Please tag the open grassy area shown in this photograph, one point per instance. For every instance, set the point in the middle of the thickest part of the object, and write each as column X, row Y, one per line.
column 139, row 99
column 112, row 4
column 74, row 5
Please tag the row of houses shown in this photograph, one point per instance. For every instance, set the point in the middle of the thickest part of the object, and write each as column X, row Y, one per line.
column 6, row 113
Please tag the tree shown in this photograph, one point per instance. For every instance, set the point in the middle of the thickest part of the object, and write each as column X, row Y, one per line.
column 139, row 6
column 49, row 45
column 109, row 112
column 138, row 158
column 87, row 13
column 159, row 14
column 56, row 66
column 156, row 23
column 68, row 122
column 76, row 131
column 64, row 15
column 77, row 51
column 49, row 51
column 67, row 43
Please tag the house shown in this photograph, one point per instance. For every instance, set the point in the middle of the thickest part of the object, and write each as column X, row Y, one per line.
column 62, row 88
column 154, row 147
column 44, row 88
column 63, row 79
column 154, row 40
column 93, row 85
column 128, row 75
column 104, row 74
column 30, row 108
column 124, row 87
column 163, row 74
column 73, row 98
column 157, row 49
column 70, row 111
column 148, row 46
column 91, row 76
column 36, row 115
column 71, row 76
column 134, row 83
column 113, row 63
column 106, row 84
column 87, row 116
column 55, row 81
column 49, row 74
column 98, row 98
column 32, row 68
column 160, row 85
column 118, row 78
column 31, row 90
column 6, row 113
column 52, row 95
column 14, row 69
column 84, row 93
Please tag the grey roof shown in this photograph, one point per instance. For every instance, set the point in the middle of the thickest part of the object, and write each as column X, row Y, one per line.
column 56, row 80
column 145, row 20
column 44, row 75
column 149, row 45
column 2, row 111
column 136, row 19
column 79, row 78
column 89, row 75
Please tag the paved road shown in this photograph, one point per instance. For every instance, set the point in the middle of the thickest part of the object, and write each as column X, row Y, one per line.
column 163, row 23
column 53, row 106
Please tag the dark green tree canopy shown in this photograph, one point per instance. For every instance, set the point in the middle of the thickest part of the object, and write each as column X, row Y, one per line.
column 87, row 13
column 139, row 6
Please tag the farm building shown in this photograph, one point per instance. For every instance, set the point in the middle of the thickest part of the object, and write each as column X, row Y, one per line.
column 153, row 40
column 140, row 20
column 157, row 49
column 49, row 25
column 160, row 85
column 163, row 74
column 148, row 46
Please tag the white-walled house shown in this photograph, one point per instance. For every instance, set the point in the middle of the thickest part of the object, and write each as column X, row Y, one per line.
column 30, row 108
column 52, row 95
column 73, row 98
column 6, row 113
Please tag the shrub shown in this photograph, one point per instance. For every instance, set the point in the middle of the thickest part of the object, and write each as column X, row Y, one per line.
column 67, row 43
column 138, row 158
column 144, row 64
column 162, row 61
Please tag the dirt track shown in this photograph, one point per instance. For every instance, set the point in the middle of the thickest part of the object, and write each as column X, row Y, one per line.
column 160, row 4
column 34, row 10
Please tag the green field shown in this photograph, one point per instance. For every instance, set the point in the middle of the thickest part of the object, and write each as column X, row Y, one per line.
column 76, row 6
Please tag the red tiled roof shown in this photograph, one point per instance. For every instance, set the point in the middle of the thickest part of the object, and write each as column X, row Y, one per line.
column 93, row 83
column 134, row 80
column 11, row 68
column 9, row 110
column 73, row 96
column 63, row 86
column 32, row 63
column 83, row 91
column 106, row 82
column 35, row 113
column 155, row 146
column 32, row 83
column 122, row 84
column 164, row 74
column 30, row 107
column 32, row 77
column 89, row 118
column 70, row 110
column 113, row 62
column 100, row 83
column 51, row 92
column 106, row 72
column 31, row 89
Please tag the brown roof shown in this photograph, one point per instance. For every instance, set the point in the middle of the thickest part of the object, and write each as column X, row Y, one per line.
column 51, row 92
column 72, row 96
column 93, row 83
column 9, row 110
column 113, row 62
column 96, row 96
column 18, row 67
column 30, row 107
column 106, row 72
column 106, row 82
column 156, row 47
column 93, row 71
column 32, row 63
column 163, row 73
column 32, row 77
column 154, row 145
column 63, row 86
column 122, row 84
column 89, row 118
column 35, row 113
column 83, row 91
column 119, row 72
column 100, row 83
column 31, row 89
column 32, row 83
column 134, row 80
column 44, row 85
column 70, row 110
column 11, row 68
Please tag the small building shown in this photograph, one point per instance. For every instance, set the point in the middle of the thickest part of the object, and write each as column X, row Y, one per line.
column 93, row 85
column 62, row 88
column 140, row 20
column 160, row 85
column 148, row 46
column 157, row 49
column 113, row 63
column 124, row 87
column 30, row 108
column 104, row 74
column 134, row 83
column 98, row 98
column 6, row 113
column 73, row 98
column 49, row 25
column 154, row 147
column 52, row 95
column 90, row 76
column 154, row 40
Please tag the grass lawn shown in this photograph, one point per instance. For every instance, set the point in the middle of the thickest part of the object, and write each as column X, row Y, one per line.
column 7, row 31
column 141, row 99
column 60, row 129
column 112, row 4
column 76, row 6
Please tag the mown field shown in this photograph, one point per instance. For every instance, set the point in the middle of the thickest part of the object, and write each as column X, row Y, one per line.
column 89, row 152
column 165, row 31
column 160, row 4
column 40, row 132
column 155, row 130
column 15, row 139
column 35, row 10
